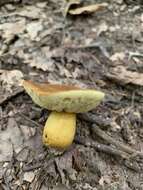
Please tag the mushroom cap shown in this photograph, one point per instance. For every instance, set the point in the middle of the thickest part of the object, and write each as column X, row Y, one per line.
column 63, row 97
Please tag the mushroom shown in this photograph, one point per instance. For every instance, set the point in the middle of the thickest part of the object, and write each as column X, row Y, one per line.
column 64, row 101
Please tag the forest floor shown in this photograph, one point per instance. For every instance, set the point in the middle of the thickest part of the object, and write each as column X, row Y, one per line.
column 43, row 41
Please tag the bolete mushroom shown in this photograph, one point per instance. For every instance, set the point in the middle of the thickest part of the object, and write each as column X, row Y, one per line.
column 64, row 101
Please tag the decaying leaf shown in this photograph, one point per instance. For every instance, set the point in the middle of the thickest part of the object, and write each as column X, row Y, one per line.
column 68, row 4
column 42, row 63
column 8, row 93
column 65, row 163
column 32, row 12
column 40, row 59
column 124, row 76
column 61, row 187
column 118, row 56
column 10, row 78
column 11, row 29
column 103, row 27
column 29, row 176
column 33, row 29
column 63, row 71
column 87, row 9
column 9, row 139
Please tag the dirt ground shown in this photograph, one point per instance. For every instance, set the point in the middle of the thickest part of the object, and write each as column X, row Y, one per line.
column 42, row 41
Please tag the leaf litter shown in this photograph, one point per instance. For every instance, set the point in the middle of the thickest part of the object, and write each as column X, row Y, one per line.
column 15, row 137
column 38, row 43
column 67, row 5
column 88, row 9
column 122, row 75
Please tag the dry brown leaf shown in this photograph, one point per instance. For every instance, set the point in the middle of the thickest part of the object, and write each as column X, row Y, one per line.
column 29, row 176
column 40, row 59
column 60, row 187
column 65, row 163
column 10, row 78
column 33, row 29
column 87, row 9
column 32, row 12
column 124, row 76
column 118, row 56
column 9, row 138
column 103, row 27
column 15, row 137
column 67, row 6
column 11, row 29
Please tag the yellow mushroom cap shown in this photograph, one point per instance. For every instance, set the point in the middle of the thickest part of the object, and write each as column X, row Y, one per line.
column 63, row 98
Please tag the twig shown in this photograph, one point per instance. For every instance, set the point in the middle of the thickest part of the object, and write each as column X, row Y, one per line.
column 112, row 141
column 43, row 173
column 111, row 151
column 134, row 54
column 9, row 167
column 132, row 165
column 109, row 139
column 28, row 119
column 97, row 45
column 95, row 119
column 34, row 167
column 102, row 148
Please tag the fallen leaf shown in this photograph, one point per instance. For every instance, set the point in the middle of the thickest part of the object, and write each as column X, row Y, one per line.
column 44, row 187
column 11, row 29
column 27, row 132
column 63, row 71
column 23, row 154
column 6, row 94
column 33, row 29
column 118, row 56
column 40, row 59
column 87, row 9
column 2, row 170
column 29, row 11
column 10, row 78
column 8, row 138
column 14, row 137
column 60, row 187
column 142, row 17
column 124, row 76
column 77, row 72
column 67, row 6
column 104, row 179
column 41, row 5
column 29, row 176
column 103, row 27
column 65, row 163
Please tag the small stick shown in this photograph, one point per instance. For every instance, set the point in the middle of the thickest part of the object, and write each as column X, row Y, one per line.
column 28, row 119
column 109, row 139
column 25, row 117
column 103, row 148
column 95, row 119
column 118, row 144
column 34, row 167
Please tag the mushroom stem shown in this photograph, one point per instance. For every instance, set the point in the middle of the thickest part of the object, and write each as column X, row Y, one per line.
column 59, row 130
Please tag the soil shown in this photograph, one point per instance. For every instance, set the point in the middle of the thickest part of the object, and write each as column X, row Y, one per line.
column 42, row 42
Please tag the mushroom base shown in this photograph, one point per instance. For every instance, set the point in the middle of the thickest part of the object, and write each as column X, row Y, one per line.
column 59, row 130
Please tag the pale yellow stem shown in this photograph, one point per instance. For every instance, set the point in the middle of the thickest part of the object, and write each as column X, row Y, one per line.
column 59, row 130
